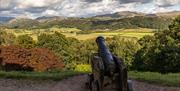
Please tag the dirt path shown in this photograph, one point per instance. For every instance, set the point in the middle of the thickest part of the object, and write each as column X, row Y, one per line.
column 76, row 83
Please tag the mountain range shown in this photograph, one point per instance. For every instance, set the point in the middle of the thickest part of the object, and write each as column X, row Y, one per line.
column 125, row 19
column 117, row 15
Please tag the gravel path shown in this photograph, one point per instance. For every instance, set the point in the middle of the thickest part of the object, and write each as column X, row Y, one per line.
column 76, row 83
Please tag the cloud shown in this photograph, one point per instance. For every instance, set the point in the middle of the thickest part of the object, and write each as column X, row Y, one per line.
column 139, row 1
column 91, row 1
column 36, row 3
column 167, row 3
column 82, row 8
column 35, row 9
column 6, row 5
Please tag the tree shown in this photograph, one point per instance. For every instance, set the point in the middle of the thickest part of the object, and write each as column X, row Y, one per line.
column 25, row 41
column 84, row 51
column 124, row 48
column 160, row 52
column 7, row 38
column 62, row 46
column 1, row 38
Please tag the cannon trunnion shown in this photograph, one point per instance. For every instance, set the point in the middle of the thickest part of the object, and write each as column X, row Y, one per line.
column 108, row 71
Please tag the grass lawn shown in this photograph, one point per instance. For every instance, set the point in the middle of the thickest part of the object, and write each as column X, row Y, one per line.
column 170, row 79
column 39, row 75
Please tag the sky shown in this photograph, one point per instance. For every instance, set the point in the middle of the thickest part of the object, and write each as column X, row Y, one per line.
column 82, row 8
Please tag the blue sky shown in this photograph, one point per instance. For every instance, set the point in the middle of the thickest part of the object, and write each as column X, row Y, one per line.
column 83, row 8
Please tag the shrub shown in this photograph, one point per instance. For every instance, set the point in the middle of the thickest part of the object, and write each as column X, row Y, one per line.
column 25, row 41
column 37, row 59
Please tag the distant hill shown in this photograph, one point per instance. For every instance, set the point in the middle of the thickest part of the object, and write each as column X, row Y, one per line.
column 5, row 19
column 111, row 24
column 127, row 14
column 50, row 18
column 169, row 14
column 151, row 15
column 2, row 26
column 114, row 21
column 119, row 15
column 22, row 23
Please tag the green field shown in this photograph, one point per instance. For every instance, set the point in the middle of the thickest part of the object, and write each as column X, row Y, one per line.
column 72, row 32
column 110, row 34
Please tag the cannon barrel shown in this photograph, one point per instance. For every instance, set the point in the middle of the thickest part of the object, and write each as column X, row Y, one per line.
column 108, row 71
column 106, row 56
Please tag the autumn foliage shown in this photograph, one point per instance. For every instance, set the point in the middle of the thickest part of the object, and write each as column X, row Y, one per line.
column 35, row 59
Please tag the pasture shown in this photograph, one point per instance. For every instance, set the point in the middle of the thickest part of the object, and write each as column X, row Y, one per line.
column 73, row 32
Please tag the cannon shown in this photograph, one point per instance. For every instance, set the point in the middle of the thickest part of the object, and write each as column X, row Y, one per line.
column 108, row 71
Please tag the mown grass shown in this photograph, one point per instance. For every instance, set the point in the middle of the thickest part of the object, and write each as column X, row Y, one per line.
column 39, row 75
column 170, row 79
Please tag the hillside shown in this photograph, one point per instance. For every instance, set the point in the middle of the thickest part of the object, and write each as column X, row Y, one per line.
column 169, row 14
column 127, row 14
column 114, row 21
column 112, row 24
column 119, row 15
column 22, row 23
column 50, row 18
column 94, row 24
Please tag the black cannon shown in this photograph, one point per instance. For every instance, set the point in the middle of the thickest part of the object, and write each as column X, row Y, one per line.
column 108, row 71
column 106, row 56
